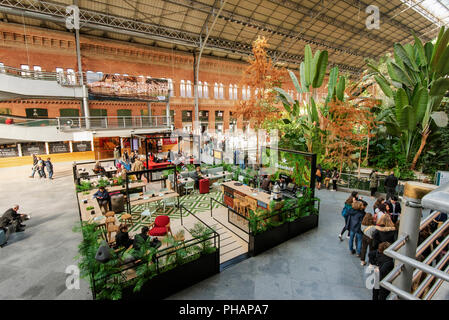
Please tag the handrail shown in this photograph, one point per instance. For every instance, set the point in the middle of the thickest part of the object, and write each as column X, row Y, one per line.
column 64, row 78
column 113, row 122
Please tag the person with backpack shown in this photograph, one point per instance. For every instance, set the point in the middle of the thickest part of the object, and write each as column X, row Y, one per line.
column 355, row 217
column 348, row 205
column 319, row 176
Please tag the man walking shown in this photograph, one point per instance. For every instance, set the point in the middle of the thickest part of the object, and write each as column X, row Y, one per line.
column 49, row 167
column 35, row 167
column 390, row 184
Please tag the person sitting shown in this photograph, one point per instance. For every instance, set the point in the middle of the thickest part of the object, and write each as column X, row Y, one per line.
column 98, row 169
column 137, row 166
column 282, row 183
column 140, row 238
column 122, row 237
column 197, row 176
column 11, row 217
column 103, row 198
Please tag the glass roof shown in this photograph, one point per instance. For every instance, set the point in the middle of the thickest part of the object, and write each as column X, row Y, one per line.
column 436, row 11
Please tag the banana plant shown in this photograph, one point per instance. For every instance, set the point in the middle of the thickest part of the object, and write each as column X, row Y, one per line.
column 312, row 72
column 415, row 83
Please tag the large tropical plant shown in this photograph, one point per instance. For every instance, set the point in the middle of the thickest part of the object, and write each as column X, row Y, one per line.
column 414, row 85
column 312, row 72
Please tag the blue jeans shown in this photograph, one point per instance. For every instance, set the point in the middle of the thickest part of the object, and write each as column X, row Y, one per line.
column 50, row 174
column 358, row 237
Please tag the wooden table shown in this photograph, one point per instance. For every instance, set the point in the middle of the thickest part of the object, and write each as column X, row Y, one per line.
column 230, row 189
column 165, row 195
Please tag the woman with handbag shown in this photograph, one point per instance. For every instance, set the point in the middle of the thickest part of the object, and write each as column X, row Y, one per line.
column 368, row 228
column 348, row 205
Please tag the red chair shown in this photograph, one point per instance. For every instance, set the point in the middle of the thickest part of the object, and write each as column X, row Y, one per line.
column 160, row 226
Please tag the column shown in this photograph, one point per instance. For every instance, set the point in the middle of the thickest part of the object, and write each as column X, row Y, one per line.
column 19, row 149
column 47, row 149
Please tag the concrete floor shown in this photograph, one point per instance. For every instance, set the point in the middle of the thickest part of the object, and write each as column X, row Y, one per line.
column 315, row 265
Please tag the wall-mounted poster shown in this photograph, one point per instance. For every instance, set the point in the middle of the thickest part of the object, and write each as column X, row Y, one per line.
column 59, row 147
column 30, row 148
column 9, row 150
column 82, row 146
column 128, row 87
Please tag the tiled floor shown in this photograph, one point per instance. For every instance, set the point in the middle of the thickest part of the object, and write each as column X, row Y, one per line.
column 315, row 265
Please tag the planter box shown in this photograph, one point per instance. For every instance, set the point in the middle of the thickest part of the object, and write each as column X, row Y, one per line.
column 302, row 225
column 177, row 279
column 266, row 240
column 263, row 241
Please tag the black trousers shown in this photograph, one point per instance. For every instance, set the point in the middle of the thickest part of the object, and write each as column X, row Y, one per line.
column 334, row 184
column 390, row 192
column 373, row 191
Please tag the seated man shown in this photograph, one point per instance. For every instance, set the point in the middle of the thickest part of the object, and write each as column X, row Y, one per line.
column 103, row 198
column 122, row 237
column 12, row 218
column 197, row 176
column 98, row 169
column 140, row 238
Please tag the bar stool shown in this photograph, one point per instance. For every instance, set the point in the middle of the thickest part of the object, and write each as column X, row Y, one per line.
column 127, row 218
column 110, row 214
column 109, row 221
column 111, row 228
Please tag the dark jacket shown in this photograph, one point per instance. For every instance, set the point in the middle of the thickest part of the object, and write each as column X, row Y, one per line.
column 122, row 239
column 385, row 264
column 102, row 195
column 139, row 239
column 49, row 165
column 355, row 218
column 8, row 217
column 391, row 181
column 383, row 234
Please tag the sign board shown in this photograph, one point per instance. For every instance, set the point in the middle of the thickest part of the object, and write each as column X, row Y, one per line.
column 442, row 178
column 9, row 150
column 59, row 147
column 128, row 87
column 33, row 148
column 82, row 146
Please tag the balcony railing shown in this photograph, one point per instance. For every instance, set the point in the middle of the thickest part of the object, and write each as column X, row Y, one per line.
column 108, row 122
column 28, row 122
column 64, row 78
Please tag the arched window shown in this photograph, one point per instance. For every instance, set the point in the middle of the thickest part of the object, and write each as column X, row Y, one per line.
column 231, row 92
column 216, row 91
column 243, row 93
column 182, row 88
column 189, row 89
column 235, row 92
column 248, row 93
column 205, row 90
column 200, row 89
column 221, row 91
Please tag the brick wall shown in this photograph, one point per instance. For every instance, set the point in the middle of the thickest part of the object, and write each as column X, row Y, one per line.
column 52, row 49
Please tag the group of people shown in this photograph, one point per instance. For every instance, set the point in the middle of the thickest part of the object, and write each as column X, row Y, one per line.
column 326, row 176
column 372, row 233
column 123, row 240
column 390, row 183
column 40, row 166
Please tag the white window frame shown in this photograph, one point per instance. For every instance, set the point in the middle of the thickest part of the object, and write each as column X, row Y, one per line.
column 200, row 89
column 231, row 92
column 243, row 93
column 189, row 89
column 221, row 91
column 236, row 92
column 216, row 91
column 71, row 76
column 205, row 90
column 25, row 68
column 182, row 89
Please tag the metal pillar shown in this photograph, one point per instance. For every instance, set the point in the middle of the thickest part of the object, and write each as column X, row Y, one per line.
column 167, row 110
column 409, row 225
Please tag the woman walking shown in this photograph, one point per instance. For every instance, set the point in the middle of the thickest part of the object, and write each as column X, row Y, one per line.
column 348, row 205
column 373, row 182
column 319, row 176
column 368, row 228
column 335, row 177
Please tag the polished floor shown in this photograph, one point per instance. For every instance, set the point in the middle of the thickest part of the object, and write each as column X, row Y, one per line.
column 315, row 265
